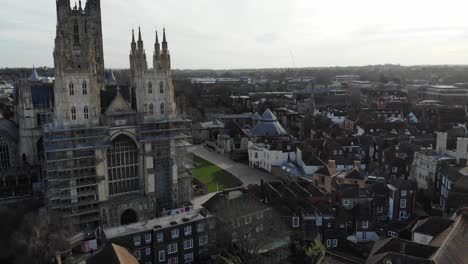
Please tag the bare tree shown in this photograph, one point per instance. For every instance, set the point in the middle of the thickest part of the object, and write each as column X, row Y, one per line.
column 36, row 240
column 247, row 228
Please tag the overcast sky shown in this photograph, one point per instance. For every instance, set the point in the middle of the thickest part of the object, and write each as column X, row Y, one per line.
column 223, row 34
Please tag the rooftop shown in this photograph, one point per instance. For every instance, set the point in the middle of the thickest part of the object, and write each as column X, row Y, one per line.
column 158, row 223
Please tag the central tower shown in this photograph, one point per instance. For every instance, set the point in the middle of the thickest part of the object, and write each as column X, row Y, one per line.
column 79, row 63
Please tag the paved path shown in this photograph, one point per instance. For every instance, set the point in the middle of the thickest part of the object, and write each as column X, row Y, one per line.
column 242, row 171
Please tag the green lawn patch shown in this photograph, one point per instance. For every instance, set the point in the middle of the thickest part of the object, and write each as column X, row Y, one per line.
column 213, row 176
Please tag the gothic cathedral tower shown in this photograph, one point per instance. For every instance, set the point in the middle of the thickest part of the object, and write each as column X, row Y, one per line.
column 79, row 63
column 153, row 89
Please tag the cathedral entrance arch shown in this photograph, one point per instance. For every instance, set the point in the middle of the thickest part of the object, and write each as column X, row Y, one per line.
column 128, row 216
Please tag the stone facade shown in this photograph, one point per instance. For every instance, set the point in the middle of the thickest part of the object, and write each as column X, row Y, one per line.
column 112, row 166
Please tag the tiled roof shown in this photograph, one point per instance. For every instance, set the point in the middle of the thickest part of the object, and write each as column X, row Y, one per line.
column 268, row 126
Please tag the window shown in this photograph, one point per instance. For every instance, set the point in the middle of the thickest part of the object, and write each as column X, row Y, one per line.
column 188, row 258
column 234, row 236
column 212, row 223
column 188, row 230
column 71, row 88
column 148, row 251
column 259, row 215
column 148, row 238
column 161, row 87
column 392, row 234
column 259, row 228
column 150, row 88
column 174, row 260
column 172, row 248
column 188, row 244
column 403, row 214
column 4, row 153
column 403, row 193
column 248, row 219
column 162, row 255
column 84, row 85
column 151, row 109
column 202, row 251
column 136, row 240
column 379, row 209
column 203, row 240
column 136, row 253
column 86, row 112
column 73, row 113
column 162, row 109
column 200, row 227
column 76, row 34
column 364, row 235
column 329, row 243
column 402, row 203
column 236, row 223
column 175, row 233
column 335, row 243
column 160, row 237
column 342, row 225
column 345, row 202
column 295, row 221
column 122, row 166
column 329, row 225
column 365, row 224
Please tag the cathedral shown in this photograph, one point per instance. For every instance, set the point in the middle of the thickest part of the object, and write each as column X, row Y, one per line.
column 109, row 155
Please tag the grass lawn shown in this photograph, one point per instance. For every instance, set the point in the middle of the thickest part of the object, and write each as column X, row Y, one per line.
column 213, row 176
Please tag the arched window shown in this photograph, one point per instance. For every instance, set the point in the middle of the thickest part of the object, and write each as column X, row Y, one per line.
column 86, row 112
column 84, row 85
column 71, row 88
column 162, row 109
column 4, row 153
column 161, row 87
column 150, row 88
column 151, row 109
column 76, row 35
column 73, row 113
column 122, row 166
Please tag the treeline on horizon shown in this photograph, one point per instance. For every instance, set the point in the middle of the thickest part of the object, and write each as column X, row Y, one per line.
column 441, row 74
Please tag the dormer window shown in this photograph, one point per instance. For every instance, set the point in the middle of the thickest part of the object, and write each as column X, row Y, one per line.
column 71, row 88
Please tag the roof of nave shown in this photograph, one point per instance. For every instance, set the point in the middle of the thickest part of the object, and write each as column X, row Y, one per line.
column 119, row 106
column 8, row 129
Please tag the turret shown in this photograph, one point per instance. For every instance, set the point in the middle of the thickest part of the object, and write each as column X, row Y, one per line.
column 133, row 45
column 63, row 7
column 164, row 43
column 165, row 56
column 140, row 42
column 157, row 53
